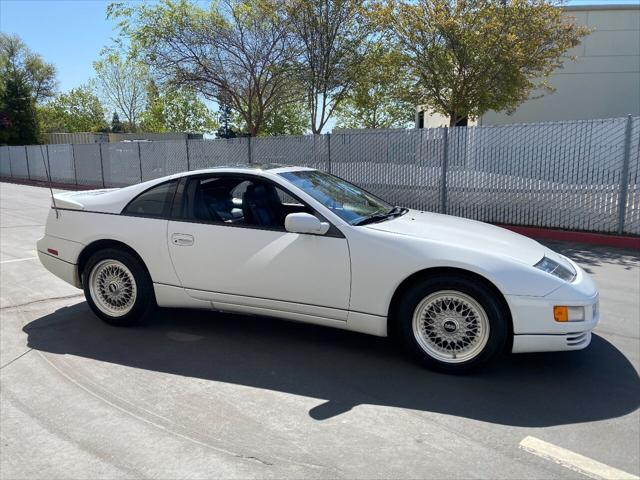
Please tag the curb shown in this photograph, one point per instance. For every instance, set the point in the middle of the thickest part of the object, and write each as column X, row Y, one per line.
column 618, row 241
column 45, row 184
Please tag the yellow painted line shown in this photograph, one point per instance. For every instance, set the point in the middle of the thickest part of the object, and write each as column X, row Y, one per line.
column 18, row 260
column 574, row 461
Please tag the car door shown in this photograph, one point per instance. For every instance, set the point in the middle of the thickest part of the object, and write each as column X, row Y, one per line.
column 228, row 245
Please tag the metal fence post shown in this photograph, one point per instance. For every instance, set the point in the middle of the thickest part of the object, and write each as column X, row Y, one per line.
column 249, row 159
column 445, row 162
column 140, row 161
column 386, row 141
column 9, row 155
column 186, row 143
column 328, row 153
column 624, row 177
column 26, row 157
column 101, row 164
column 50, row 175
column 73, row 157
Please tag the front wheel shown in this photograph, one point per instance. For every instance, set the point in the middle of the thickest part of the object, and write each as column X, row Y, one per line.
column 117, row 287
column 452, row 323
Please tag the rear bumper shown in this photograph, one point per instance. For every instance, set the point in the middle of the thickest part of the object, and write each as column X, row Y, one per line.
column 61, row 269
column 60, row 257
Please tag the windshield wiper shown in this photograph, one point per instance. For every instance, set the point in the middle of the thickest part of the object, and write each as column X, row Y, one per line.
column 379, row 217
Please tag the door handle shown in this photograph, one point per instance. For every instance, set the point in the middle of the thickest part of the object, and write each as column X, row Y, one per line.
column 182, row 239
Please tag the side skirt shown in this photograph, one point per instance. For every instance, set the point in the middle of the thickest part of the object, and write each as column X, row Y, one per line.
column 178, row 297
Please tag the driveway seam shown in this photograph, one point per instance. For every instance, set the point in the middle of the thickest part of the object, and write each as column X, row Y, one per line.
column 9, row 307
column 17, row 358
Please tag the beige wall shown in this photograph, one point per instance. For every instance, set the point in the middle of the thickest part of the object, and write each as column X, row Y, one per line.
column 434, row 120
column 90, row 137
column 605, row 79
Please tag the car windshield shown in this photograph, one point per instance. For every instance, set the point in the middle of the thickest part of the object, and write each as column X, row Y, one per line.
column 349, row 202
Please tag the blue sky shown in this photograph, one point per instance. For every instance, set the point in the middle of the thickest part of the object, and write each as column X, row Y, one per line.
column 67, row 33
column 71, row 33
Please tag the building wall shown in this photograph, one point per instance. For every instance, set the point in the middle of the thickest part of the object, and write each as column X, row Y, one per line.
column 435, row 120
column 603, row 82
column 158, row 137
column 353, row 131
column 78, row 137
column 90, row 137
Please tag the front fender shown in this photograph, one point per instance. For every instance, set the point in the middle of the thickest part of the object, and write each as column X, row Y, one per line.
column 381, row 261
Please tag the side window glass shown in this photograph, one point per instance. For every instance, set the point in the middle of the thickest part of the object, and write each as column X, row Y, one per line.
column 265, row 205
column 155, row 202
column 211, row 200
column 287, row 199
column 239, row 201
column 238, row 192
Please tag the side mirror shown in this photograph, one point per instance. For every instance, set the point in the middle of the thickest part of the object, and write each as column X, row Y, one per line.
column 305, row 223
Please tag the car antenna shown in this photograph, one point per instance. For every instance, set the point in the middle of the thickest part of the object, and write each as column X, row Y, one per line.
column 46, row 170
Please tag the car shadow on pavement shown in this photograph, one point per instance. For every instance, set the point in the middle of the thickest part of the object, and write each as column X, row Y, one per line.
column 589, row 256
column 348, row 369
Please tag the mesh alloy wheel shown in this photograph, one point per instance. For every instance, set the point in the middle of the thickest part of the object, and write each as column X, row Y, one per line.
column 450, row 326
column 113, row 288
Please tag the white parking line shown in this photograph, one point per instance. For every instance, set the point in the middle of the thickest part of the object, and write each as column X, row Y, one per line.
column 18, row 260
column 573, row 461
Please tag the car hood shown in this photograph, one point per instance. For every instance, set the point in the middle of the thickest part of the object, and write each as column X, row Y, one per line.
column 464, row 233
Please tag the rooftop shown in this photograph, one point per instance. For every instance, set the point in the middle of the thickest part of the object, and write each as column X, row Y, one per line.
column 602, row 6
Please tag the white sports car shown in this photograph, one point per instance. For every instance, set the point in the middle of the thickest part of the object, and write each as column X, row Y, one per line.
column 304, row 245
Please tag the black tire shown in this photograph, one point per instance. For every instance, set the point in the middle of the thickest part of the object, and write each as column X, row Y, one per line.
column 484, row 296
column 144, row 302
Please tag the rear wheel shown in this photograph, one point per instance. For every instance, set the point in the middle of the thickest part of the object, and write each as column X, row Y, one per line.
column 117, row 287
column 452, row 323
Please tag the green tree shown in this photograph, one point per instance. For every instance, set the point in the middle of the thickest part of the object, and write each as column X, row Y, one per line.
column 79, row 110
column 472, row 56
column 176, row 110
column 382, row 96
column 121, row 83
column 116, row 124
column 289, row 119
column 153, row 118
column 331, row 37
column 17, row 108
column 39, row 75
column 25, row 79
column 225, row 116
column 236, row 49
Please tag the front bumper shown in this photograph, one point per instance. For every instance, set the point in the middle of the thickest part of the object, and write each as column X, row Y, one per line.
column 550, row 343
column 534, row 327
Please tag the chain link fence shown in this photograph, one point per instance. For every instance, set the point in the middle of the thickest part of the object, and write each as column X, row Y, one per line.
column 578, row 175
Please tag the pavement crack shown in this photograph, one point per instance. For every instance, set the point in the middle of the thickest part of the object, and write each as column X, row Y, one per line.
column 20, row 226
column 33, row 302
column 17, row 358
column 153, row 419
column 254, row 459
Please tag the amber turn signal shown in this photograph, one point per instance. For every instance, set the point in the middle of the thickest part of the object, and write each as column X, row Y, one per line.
column 561, row 314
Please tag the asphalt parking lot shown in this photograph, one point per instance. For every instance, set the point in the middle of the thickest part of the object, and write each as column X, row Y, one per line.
column 201, row 395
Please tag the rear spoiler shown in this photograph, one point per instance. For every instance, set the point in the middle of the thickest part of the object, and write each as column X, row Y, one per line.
column 74, row 200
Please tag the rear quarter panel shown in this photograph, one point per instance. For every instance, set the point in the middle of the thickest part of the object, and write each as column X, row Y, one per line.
column 147, row 236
